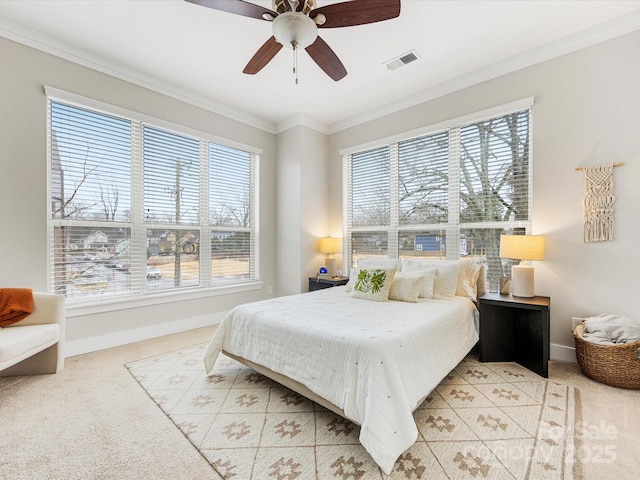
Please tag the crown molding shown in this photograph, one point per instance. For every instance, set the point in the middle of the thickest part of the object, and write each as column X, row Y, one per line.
column 46, row 44
column 302, row 120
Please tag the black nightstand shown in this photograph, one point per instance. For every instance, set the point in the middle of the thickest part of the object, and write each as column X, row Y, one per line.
column 515, row 329
column 320, row 283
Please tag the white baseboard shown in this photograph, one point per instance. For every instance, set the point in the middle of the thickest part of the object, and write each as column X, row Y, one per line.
column 562, row 353
column 93, row 344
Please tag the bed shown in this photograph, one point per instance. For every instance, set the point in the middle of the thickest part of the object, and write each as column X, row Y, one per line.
column 371, row 362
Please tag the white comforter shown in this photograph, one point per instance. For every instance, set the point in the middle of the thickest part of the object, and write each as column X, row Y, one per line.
column 375, row 360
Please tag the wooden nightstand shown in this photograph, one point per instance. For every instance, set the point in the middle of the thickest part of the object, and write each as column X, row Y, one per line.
column 515, row 329
column 320, row 283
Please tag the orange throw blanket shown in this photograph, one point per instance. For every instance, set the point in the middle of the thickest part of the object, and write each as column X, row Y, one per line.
column 15, row 304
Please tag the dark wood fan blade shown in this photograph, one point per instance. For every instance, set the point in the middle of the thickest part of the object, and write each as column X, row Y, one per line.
column 238, row 7
column 357, row 12
column 326, row 59
column 263, row 56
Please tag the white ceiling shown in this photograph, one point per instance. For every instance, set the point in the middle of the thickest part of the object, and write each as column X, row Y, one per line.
column 197, row 54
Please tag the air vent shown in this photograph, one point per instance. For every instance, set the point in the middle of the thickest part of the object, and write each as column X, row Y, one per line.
column 402, row 60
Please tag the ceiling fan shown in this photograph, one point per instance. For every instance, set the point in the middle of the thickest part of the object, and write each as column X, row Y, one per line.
column 296, row 23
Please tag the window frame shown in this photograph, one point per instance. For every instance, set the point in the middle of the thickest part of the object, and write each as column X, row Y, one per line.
column 453, row 226
column 138, row 294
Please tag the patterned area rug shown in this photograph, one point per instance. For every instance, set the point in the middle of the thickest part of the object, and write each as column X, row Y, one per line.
column 485, row 420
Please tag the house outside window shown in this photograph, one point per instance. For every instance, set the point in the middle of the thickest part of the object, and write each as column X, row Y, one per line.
column 141, row 207
column 446, row 192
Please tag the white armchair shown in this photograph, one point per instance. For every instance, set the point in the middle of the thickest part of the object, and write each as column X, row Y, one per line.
column 35, row 344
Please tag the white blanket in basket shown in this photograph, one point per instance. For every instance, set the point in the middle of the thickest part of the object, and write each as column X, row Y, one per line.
column 611, row 329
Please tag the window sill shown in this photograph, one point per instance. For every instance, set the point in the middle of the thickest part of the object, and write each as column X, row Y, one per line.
column 123, row 303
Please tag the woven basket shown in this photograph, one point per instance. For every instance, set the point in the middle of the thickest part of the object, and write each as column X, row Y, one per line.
column 615, row 365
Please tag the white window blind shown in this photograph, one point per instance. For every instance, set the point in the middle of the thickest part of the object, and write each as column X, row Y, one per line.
column 130, row 205
column 423, row 177
column 232, row 185
column 369, row 202
column 445, row 194
column 171, row 198
column 90, row 164
column 90, row 185
column 494, row 169
column 171, row 177
column 230, row 182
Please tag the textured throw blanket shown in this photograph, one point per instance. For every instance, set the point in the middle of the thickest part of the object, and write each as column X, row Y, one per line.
column 15, row 304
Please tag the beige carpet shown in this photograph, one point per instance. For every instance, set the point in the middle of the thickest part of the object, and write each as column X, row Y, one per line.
column 497, row 421
column 92, row 421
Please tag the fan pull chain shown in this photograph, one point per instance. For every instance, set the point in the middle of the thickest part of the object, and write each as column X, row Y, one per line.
column 294, row 44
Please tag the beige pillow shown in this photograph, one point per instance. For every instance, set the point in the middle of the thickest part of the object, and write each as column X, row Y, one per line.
column 429, row 275
column 373, row 284
column 406, row 287
column 446, row 280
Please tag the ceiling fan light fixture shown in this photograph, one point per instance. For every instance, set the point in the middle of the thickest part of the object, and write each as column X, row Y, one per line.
column 295, row 25
column 294, row 28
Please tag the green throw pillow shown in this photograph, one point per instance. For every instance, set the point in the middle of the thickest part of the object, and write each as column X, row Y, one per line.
column 373, row 284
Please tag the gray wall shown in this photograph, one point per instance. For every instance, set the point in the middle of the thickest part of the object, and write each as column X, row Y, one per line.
column 302, row 207
column 23, row 182
column 586, row 111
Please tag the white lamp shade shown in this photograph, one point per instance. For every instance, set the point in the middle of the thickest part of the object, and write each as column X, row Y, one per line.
column 522, row 247
column 330, row 245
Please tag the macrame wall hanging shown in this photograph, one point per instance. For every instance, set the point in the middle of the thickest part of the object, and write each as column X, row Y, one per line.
column 598, row 202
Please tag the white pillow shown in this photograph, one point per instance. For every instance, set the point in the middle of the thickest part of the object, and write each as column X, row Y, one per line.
column 406, row 287
column 380, row 262
column 430, row 275
column 446, row 280
column 468, row 280
column 373, row 284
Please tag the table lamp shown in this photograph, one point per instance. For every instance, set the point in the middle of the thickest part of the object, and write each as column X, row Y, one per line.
column 522, row 247
column 329, row 246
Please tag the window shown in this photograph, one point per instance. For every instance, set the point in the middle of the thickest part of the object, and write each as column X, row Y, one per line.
column 444, row 194
column 231, row 218
column 139, row 208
